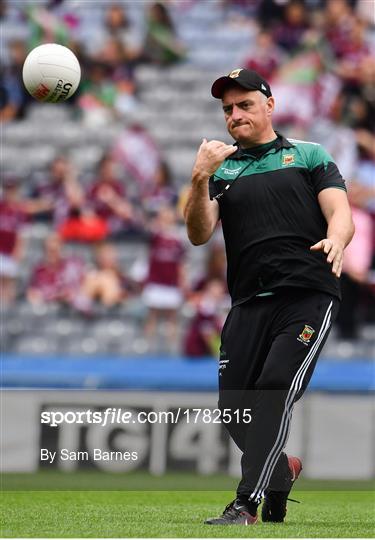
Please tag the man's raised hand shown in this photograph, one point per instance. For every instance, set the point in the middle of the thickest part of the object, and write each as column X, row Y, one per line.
column 211, row 155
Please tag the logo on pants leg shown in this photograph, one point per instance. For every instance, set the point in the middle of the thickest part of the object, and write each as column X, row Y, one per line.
column 306, row 334
column 223, row 361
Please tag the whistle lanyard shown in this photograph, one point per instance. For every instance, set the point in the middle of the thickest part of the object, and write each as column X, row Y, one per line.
column 229, row 185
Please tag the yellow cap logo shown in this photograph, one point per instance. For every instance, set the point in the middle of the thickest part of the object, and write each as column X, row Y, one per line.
column 235, row 73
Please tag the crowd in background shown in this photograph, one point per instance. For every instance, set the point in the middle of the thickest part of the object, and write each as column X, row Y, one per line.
column 319, row 55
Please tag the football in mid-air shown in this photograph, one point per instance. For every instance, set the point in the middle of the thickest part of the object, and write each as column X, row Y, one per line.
column 51, row 73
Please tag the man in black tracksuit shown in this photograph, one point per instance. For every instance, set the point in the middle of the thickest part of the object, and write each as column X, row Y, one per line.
column 286, row 221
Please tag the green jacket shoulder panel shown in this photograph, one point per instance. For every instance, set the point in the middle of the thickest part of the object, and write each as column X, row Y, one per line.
column 312, row 153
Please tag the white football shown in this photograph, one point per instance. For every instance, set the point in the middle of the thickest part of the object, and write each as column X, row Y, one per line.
column 51, row 73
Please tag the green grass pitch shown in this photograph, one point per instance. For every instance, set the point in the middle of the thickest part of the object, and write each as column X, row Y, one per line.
column 179, row 514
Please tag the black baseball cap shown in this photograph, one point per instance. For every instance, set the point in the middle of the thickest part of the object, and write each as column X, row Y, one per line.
column 247, row 78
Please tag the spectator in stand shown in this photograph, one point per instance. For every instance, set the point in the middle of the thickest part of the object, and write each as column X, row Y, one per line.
column 289, row 33
column 360, row 111
column 161, row 46
column 203, row 334
column 105, row 282
column 46, row 25
column 10, row 97
column 359, row 114
column 343, row 146
column 60, row 191
column 162, row 193
column 58, row 278
column 62, row 199
column 13, row 98
column 120, row 74
column 119, row 27
column 357, row 50
column 113, row 54
column 135, row 141
column 339, row 21
column 365, row 138
column 115, row 24
column 359, row 258
column 13, row 218
column 299, row 84
column 356, row 281
column 165, row 286
column 215, row 270
column 107, row 198
column 15, row 213
column 269, row 12
column 266, row 57
column 97, row 93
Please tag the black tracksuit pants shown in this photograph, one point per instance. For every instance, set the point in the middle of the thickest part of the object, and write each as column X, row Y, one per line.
column 269, row 348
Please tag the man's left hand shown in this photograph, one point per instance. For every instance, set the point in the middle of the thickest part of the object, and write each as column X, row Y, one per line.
column 335, row 251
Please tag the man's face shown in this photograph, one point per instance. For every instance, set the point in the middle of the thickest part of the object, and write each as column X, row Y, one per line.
column 247, row 114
